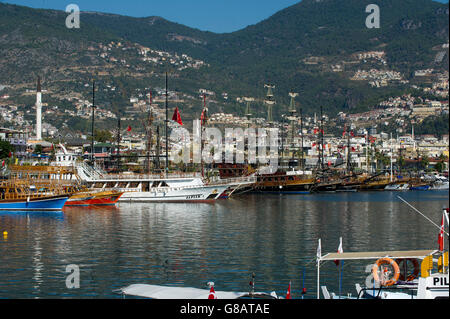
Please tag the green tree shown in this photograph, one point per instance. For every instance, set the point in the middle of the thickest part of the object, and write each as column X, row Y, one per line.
column 102, row 136
column 5, row 149
column 38, row 149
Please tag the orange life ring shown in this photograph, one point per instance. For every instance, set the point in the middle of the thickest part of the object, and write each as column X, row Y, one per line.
column 414, row 275
column 386, row 261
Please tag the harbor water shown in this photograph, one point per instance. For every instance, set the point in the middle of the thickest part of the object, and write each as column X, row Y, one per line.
column 273, row 236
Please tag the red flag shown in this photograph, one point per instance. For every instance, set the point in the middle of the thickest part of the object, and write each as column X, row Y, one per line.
column 441, row 235
column 352, row 134
column 3, row 164
column 10, row 154
column 313, row 144
column 316, row 131
column 212, row 293
column 340, row 251
column 129, row 128
column 288, row 294
column 177, row 116
column 203, row 118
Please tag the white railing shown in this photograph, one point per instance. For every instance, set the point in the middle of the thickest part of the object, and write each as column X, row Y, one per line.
column 87, row 173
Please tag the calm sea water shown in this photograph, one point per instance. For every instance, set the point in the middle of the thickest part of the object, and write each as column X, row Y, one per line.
column 273, row 236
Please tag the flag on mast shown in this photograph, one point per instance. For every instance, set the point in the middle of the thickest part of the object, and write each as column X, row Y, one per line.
column 319, row 250
column 340, row 251
column 441, row 235
column 177, row 116
column 212, row 293
column 288, row 294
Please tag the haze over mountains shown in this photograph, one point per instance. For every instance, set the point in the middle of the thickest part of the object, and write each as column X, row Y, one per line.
column 311, row 48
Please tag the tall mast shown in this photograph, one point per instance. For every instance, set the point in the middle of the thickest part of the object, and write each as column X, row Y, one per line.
column 118, row 142
column 390, row 142
column 167, row 128
column 321, row 138
column 149, row 133
column 301, row 130
column 38, row 110
column 293, row 112
column 158, row 149
column 93, row 117
column 248, row 113
column 349, row 155
column 203, row 121
column 270, row 101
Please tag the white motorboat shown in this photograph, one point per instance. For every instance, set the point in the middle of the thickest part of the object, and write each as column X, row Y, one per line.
column 167, row 292
column 428, row 286
column 397, row 187
column 440, row 183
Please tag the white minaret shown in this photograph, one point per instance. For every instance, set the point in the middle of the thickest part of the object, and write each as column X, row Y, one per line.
column 39, row 111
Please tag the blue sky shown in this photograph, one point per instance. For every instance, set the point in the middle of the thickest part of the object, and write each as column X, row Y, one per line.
column 210, row 15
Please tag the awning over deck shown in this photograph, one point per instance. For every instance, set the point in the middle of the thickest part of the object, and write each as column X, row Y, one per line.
column 419, row 254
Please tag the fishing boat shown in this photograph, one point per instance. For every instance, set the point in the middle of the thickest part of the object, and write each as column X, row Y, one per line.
column 101, row 198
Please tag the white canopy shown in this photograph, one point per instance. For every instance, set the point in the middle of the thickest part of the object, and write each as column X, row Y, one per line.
column 420, row 254
column 162, row 292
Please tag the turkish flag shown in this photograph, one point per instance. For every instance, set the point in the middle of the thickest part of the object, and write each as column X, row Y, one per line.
column 177, row 116
column 288, row 294
column 129, row 128
column 212, row 293
column 441, row 235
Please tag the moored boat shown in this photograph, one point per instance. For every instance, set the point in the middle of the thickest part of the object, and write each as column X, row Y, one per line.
column 40, row 203
column 101, row 198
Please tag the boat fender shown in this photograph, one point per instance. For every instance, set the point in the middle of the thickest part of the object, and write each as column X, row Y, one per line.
column 426, row 266
column 386, row 261
column 442, row 265
column 414, row 275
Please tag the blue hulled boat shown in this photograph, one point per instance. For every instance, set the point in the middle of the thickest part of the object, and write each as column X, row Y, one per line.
column 44, row 203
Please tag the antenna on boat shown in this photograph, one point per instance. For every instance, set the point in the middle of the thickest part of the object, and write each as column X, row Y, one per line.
column 421, row 214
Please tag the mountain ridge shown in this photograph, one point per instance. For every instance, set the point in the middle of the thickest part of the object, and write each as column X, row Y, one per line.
column 295, row 48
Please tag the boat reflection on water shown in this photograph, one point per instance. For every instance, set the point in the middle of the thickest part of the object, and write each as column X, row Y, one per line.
column 34, row 214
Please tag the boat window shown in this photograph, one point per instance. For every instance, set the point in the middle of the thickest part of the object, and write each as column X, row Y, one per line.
column 164, row 184
column 145, row 186
column 155, row 184
column 122, row 184
column 134, row 184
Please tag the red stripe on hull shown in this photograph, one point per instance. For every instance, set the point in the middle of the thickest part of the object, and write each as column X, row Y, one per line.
column 110, row 200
